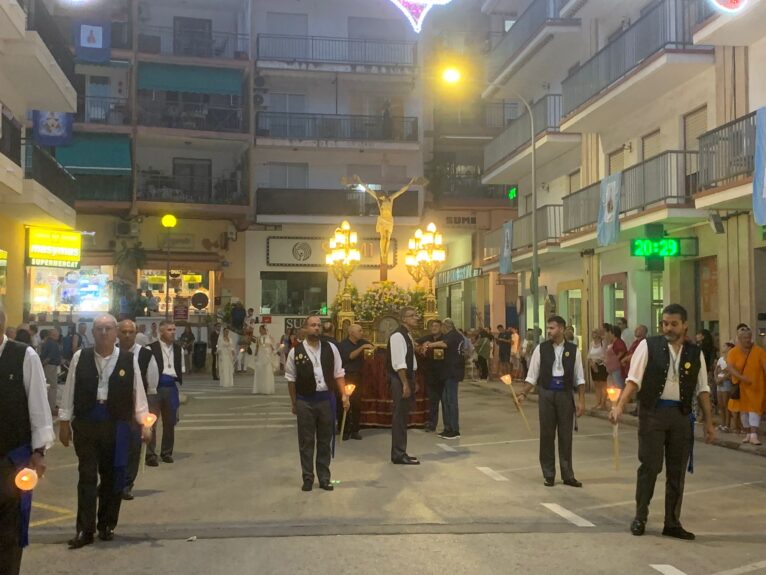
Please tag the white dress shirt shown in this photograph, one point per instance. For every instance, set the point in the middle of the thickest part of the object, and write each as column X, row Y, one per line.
column 314, row 355
column 398, row 347
column 152, row 372
column 533, row 373
column 142, row 339
column 168, row 363
column 37, row 398
column 672, row 390
column 66, row 409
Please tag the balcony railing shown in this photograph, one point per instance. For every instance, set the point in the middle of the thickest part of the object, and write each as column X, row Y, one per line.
column 220, row 190
column 669, row 178
column 41, row 21
column 727, row 153
column 482, row 117
column 663, row 27
column 531, row 21
column 10, row 140
column 188, row 116
column 337, row 127
column 549, row 220
column 323, row 50
column 292, row 201
column 43, row 168
column 493, row 244
column 101, row 188
column 468, row 187
column 96, row 110
column 547, row 115
column 698, row 12
column 193, row 44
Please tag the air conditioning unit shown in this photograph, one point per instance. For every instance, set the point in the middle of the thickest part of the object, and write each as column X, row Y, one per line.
column 127, row 229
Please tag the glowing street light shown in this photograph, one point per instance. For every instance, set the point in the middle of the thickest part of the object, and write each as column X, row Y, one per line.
column 169, row 222
column 451, row 75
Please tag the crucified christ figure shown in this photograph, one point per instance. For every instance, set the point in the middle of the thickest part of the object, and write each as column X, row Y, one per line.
column 385, row 223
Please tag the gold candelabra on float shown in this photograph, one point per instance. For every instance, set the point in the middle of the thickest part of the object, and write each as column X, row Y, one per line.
column 342, row 257
column 425, row 255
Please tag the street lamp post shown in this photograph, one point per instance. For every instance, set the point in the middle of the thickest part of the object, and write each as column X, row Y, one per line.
column 169, row 221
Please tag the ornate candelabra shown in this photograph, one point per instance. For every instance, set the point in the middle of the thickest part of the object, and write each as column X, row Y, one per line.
column 425, row 255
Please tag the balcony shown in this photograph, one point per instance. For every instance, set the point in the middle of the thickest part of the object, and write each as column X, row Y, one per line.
column 651, row 57
column 727, row 163
column 99, row 188
column 11, row 174
column 193, row 44
column 190, row 116
column 155, row 186
column 317, row 53
column 540, row 44
column 335, row 130
column 103, row 111
column 482, row 121
column 719, row 29
column 467, row 191
column 656, row 190
column 549, row 227
column 509, row 156
column 13, row 20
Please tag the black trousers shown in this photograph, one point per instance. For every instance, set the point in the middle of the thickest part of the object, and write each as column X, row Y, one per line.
column 435, row 388
column 483, row 367
column 215, row 363
column 315, row 429
column 10, row 521
column 354, row 415
column 663, row 432
column 94, row 445
column 401, row 417
column 557, row 412
column 160, row 406
column 134, row 457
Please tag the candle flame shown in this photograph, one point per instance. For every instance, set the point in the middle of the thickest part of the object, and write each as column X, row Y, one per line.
column 349, row 388
column 506, row 379
column 26, row 479
column 150, row 420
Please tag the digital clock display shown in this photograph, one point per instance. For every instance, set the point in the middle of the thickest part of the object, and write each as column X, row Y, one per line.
column 661, row 248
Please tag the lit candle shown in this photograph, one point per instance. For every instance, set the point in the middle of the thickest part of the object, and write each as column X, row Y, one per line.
column 26, row 479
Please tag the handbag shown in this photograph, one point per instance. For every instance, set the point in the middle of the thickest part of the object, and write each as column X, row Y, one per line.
column 735, row 394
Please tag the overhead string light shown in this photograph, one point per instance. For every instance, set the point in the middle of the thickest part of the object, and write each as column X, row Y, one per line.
column 417, row 10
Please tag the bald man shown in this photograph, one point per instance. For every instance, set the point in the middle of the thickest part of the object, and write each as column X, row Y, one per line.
column 352, row 354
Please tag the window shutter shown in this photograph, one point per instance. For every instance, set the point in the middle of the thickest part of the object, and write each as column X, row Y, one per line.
column 695, row 124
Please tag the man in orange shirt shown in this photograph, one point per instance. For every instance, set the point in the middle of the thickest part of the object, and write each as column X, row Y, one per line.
column 747, row 366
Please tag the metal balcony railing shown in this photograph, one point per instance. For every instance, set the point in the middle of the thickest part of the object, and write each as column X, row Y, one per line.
column 663, row 27
column 547, row 115
column 549, row 228
column 97, row 110
column 698, row 12
column 336, row 127
column 189, row 116
column 43, row 168
column 10, row 141
column 727, row 153
column 459, row 187
column 669, row 178
column 325, row 50
column 193, row 44
column 493, row 244
column 216, row 190
column 102, row 188
column 301, row 201
column 478, row 118
column 41, row 21
column 531, row 21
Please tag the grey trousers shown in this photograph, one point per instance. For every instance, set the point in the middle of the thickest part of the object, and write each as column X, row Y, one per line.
column 160, row 406
column 401, row 417
column 557, row 412
column 315, row 426
column 663, row 432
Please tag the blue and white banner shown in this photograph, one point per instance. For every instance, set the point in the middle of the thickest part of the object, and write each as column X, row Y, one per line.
column 759, row 177
column 93, row 41
column 609, row 210
column 52, row 129
column 506, row 265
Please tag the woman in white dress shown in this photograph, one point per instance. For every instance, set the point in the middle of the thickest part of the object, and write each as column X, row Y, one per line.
column 226, row 354
column 263, row 382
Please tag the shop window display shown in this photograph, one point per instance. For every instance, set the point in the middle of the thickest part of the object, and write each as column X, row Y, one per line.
column 183, row 285
column 60, row 290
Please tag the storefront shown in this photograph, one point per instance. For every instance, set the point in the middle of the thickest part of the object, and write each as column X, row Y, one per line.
column 3, row 277
column 457, row 294
column 185, row 284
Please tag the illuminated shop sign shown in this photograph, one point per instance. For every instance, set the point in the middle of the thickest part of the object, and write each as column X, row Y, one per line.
column 53, row 248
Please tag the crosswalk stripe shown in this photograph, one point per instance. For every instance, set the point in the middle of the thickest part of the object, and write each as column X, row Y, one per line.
column 568, row 515
column 667, row 570
column 228, row 427
column 489, row 472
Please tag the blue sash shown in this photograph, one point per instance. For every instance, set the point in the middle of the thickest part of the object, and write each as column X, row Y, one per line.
column 325, row 396
column 122, row 439
column 556, row 383
column 20, row 457
column 169, row 382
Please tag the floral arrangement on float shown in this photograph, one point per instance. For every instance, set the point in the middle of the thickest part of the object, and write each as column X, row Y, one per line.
column 382, row 298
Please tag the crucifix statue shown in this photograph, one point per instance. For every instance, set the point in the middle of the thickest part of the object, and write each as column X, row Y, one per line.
column 385, row 223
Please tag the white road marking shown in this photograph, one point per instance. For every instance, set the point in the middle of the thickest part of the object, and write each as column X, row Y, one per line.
column 744, row 569
column 580, row 463
column 489, row 472
column 227, row 427
column 446, row 447
column 527, row 440
column 568, row 515
column 230, row 414
column 667, row 569
column 204, row 397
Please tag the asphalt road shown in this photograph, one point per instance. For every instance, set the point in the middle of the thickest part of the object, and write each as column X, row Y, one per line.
column 232, row 502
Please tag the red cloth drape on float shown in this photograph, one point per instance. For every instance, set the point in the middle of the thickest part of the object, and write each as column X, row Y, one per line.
column 377, row 404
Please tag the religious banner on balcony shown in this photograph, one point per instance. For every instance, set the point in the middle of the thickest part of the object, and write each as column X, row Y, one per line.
column 93, row 41
column 759, row 177
column 52, row 129
column 608, row 230
column 506, row 265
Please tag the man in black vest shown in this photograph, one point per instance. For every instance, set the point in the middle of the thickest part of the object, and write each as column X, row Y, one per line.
column 103, row 394
column 402, row 366
column 213, row 340
column 126, row 335
column 26, row 431
column 557, row 366
column 165, row 404
column 314, row 372
column 433, row 364
column 668, row 371
column 352, row 353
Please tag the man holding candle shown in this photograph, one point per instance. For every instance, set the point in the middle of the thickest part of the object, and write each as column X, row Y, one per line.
column 314, row 370
column 668, row 371
column 352, row 351
column 103, row 393
column 26, row 431
column 433, row 365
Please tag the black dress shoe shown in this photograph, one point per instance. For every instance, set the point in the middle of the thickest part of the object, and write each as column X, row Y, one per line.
column 572, row 482
column 81, row 540
column 638, row 527
column 356, row 436
column 405, row 461
column 412, row 457
column 167, row 459
column 127, row 494
column 106, row 534
column 152, row 462
column 308, row 485
column 679, row 533
column 549, row 481
column 327, row 486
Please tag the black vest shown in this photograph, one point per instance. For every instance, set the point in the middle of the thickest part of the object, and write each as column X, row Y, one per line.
column 156, row 348
column 15, row 427
column 144, row 358
column 119, row 401
column 548, row 358
column 657, row 368
column 409, row 358
column 305, row 382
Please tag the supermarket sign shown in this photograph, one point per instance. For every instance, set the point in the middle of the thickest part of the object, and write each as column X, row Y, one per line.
column 53, row 248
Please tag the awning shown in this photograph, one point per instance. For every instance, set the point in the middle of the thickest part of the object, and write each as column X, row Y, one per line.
column 97, row 154
column 195, row 79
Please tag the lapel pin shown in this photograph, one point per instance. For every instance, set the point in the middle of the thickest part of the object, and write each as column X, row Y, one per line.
column 122, row 373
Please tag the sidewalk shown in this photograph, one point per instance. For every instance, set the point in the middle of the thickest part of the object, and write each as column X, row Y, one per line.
column 728, row 440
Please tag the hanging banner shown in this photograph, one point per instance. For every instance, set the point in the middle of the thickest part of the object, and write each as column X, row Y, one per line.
column 609, row 210
column 506, row 265
column 759, row 177
column 51, row 129
column 93, row 41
